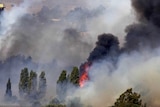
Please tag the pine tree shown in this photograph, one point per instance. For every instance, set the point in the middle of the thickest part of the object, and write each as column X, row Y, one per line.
column 62, row 77
column 129, row 99
column 74, row 78
column 32, row 83
column 8, row 89
column 61, row 88
column 24, row 82
column 42, row 85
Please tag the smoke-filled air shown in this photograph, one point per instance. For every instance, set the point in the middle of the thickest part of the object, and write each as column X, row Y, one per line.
column 79, row 53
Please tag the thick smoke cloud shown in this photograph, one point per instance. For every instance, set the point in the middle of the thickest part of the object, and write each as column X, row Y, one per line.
column 33, row 32
column 137, row 69
column 61, row 35
column 51, row 36
column 44, row 40
column 140, row 36
column 148, row 10
column 44, row 29
column 107, row 46
column 146, row 32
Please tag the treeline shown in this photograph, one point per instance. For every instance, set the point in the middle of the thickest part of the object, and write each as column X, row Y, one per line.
column 30, row 89
column 73, row 78
column 65, row 82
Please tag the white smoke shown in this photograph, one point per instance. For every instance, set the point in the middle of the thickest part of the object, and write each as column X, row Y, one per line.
column 9, row 18
column 48, row 43
column 138, row 70
column 12, row 16
column 113, row 20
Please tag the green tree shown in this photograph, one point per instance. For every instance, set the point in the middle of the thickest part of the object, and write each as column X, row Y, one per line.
column 42, row 85
column 74, row 77
column 62, row 77
column 61, row 88
column 28, row 85
column 24, row 82
column 8, row 89
column 32, row 83
column 129, row 99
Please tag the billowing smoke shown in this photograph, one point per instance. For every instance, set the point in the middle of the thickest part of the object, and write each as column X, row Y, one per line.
column 44, row 37
column 49, row 24
column 137, row 64
column 11, row 17
column 61, row 34
column 47, row 29
column 146, row 31
column 106, row 46
column 148, row 10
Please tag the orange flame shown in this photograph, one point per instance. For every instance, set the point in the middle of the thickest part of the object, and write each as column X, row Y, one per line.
column 84, row 77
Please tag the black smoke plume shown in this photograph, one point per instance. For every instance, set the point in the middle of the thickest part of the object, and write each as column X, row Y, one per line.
column 148, row 10
column 145, row 33
column 107, row 46
column 141, row 35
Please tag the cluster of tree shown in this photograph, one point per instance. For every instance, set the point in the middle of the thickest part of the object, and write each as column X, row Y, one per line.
column 72, row 78
column 28, row 87
column 30, row 90
column 65, row 81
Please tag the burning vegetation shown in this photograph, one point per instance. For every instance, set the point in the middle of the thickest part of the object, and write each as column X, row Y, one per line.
column 84, row 76
column 107, row 47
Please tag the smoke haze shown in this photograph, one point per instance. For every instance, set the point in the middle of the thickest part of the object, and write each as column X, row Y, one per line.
column 62, row 34
column 137, row 64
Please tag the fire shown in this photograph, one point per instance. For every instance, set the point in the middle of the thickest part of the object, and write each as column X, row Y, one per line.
column 84, row 76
